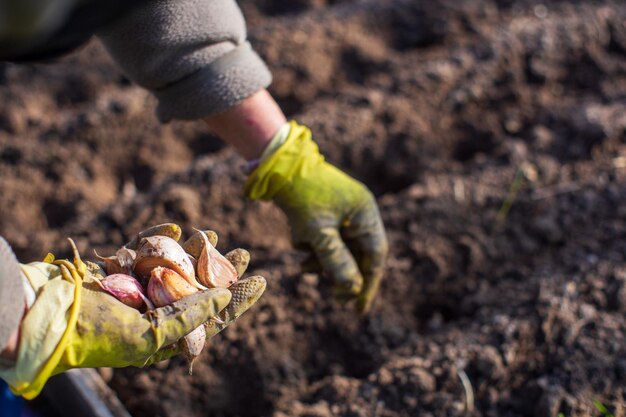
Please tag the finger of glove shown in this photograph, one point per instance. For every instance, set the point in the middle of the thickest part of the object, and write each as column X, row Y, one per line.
column 367, row 239
column 165, row 353
column 174, row 321
column 245, row 293
column 336, row 260
column 240, row 259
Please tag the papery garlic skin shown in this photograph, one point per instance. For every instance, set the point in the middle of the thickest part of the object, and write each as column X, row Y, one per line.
column 165, row 252
column 121, row 263
column 167, row 286
column 126, row 289
column 214, row 270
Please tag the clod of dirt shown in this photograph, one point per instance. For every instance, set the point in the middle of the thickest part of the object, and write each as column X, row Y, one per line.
column 435, row 106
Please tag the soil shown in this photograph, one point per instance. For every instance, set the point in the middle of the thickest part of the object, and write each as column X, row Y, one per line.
column 493, row 135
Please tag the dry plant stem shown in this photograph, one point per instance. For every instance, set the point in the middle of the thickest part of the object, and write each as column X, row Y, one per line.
column 516, row 186
column 525, row 173
column 469, row 391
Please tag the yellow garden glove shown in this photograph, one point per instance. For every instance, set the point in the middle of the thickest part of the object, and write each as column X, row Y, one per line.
column 75, row 324
column 329, row 212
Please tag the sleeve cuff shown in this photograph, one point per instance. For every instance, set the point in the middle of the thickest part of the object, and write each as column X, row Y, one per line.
column 216, row 87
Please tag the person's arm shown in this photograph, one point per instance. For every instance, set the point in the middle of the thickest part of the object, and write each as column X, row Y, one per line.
column 194, row 57
column 73, row 323
column 191, row 54
column 249, row 126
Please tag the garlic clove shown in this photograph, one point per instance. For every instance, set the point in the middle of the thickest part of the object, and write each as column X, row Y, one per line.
column 163, row 251
column 167, row 286
column 192, row 345
column 195, row 243
column 214, row 270
column 126, row 289
column 126, row 258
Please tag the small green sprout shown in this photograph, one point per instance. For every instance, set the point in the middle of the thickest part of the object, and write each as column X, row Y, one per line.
column 526, row 173
column 602, row 408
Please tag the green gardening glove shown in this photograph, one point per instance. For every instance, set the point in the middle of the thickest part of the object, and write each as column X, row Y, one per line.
column 329, row 212
column 73, row 323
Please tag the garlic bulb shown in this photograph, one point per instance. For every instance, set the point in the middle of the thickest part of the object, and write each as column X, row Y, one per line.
column 167, row 286
column 126, row 289
column 164, row 251
column 214, row 270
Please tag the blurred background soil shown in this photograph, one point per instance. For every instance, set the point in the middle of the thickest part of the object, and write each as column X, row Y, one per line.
column 442, row 108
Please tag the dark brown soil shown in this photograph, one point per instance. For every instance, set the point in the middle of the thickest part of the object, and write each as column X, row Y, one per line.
column 442, row 108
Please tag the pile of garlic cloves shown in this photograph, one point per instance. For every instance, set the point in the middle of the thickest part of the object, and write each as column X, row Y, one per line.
column 154, row 270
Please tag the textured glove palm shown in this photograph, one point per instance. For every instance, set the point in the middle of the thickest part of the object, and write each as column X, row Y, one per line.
column 329, row 212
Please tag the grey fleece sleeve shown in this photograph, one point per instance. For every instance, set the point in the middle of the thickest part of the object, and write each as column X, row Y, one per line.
column 191, row 54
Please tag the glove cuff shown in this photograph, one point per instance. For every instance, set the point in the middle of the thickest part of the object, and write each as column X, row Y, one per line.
column 281, row 163
column 276, row 142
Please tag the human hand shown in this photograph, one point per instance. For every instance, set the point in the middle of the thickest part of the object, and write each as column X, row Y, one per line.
column 329, row 212
column 94, row 329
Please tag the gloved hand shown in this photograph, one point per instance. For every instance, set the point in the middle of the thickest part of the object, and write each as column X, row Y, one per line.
column 329, row 212
column 97, row 330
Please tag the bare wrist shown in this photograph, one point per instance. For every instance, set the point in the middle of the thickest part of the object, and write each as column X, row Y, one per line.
column 249, row 126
